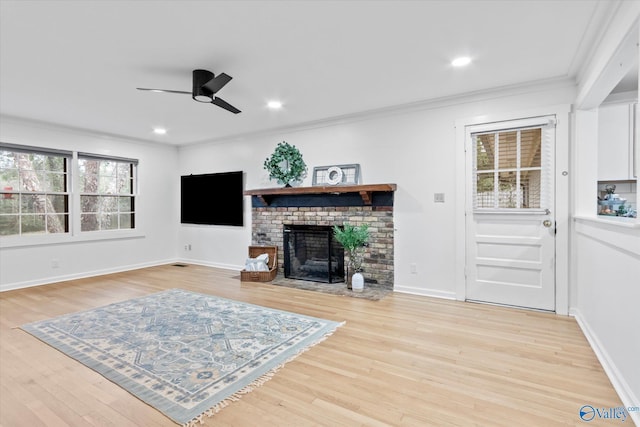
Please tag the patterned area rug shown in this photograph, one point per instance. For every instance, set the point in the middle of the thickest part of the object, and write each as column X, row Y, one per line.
column 186, row 354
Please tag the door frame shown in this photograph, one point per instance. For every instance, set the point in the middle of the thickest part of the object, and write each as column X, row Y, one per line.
column 562, row 200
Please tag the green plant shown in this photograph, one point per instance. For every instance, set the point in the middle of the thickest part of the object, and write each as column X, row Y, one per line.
column 286, row 164
column 352, row 238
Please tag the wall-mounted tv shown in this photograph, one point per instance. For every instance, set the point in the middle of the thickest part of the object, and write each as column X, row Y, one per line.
column 212, row 199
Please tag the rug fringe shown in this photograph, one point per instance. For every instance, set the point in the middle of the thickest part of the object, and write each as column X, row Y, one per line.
column 255, row 383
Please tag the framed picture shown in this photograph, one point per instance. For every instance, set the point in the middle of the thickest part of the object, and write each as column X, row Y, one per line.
column 336, row 175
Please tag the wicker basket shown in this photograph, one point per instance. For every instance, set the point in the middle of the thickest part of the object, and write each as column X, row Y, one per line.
column 262, row 276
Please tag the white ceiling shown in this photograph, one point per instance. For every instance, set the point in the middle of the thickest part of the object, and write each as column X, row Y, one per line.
column 77, row 63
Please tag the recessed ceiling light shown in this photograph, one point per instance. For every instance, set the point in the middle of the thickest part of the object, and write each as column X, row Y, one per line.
column 159, row 131
column 461, row 61
column 274, row 105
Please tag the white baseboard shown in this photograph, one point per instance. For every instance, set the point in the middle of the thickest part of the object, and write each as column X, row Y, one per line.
column 213, row 264
column 425, row 292
column 83, row 275
column 626, row 394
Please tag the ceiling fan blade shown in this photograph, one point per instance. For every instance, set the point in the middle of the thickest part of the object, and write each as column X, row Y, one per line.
column 224, row 104
column 217, row 83
column 163, row 90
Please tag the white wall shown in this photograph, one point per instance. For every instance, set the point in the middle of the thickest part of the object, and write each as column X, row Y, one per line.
column 219, row 246
column 608, row 281
column 414, row 149
column 156, row 214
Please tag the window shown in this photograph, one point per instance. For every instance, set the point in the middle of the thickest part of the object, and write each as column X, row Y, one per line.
column 508, row 169
column 34, row 195
column 107, row 198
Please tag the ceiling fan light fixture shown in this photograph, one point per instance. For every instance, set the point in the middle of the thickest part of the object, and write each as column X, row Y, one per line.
column 202, row 98
column 204, row 89
column 201, row 93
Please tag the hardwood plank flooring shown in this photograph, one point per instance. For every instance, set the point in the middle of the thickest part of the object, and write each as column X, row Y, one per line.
column 403, row 361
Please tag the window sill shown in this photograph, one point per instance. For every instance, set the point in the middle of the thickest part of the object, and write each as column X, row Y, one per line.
column 618, row 221
column 61, row 239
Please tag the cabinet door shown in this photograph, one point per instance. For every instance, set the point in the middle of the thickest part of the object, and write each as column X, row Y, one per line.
column 614, row 142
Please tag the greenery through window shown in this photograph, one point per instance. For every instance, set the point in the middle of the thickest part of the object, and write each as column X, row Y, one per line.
column 107, row 198
column 34, row 196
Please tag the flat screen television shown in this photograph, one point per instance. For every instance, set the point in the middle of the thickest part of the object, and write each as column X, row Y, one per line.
column 212, row 199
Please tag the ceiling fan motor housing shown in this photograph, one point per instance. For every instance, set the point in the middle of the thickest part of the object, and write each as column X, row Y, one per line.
column 200, row 93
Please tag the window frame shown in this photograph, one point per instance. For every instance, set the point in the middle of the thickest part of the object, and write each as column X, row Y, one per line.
column 23, row 193
column 132, row 194
column 74, row 233
column 547, row 124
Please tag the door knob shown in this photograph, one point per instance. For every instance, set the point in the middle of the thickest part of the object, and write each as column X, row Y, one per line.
column 547, row 223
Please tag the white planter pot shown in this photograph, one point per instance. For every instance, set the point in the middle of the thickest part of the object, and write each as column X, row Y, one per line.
column 357, row 282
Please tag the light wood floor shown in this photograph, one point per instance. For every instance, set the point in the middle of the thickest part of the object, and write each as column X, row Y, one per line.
column 403, row 361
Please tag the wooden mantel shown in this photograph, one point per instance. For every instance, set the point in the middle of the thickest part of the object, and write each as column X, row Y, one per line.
column 365, row 191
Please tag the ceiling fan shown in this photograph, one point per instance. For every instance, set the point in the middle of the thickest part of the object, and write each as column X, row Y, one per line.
column 205, row 86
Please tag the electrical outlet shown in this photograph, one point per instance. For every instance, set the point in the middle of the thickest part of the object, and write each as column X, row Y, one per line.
column 413, row 268
column 55, row 263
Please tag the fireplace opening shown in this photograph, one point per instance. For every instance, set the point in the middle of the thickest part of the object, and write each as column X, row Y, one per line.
column 312, row 253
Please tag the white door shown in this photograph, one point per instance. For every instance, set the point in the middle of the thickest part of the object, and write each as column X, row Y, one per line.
column 510, row 221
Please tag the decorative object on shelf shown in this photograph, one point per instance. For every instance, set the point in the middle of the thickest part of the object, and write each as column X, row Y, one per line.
column 612, row 204
column 336, row 175
column 357, row 282
column 353, row 238
column 286, row 164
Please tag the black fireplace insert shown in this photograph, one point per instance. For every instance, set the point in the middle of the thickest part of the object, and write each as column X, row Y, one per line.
column 312, row 253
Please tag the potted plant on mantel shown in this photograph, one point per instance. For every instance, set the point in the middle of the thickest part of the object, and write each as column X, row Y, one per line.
column 353, row 239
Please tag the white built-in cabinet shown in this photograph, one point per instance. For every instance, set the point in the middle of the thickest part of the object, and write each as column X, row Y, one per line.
column 616, row 141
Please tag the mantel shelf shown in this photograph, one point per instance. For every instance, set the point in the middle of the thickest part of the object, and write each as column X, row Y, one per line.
column 365, row 191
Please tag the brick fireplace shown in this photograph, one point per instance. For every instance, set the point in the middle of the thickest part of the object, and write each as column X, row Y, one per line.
column 273, row 209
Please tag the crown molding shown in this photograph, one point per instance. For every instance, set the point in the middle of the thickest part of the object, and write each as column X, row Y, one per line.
column 56, row 127
column 429, row 104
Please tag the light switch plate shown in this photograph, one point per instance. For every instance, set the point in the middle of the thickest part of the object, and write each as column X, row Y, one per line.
column 438, row 197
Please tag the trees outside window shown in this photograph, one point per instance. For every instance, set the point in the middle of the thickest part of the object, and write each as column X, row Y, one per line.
column 34, row 196
column 35, row 192
column 107, row 198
